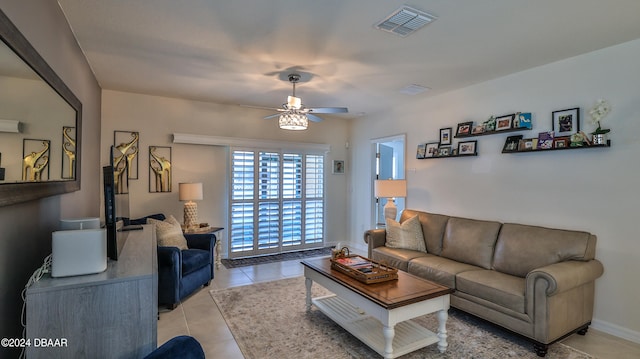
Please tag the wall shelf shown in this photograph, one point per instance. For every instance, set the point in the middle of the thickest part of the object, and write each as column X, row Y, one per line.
column 561, row 148
column 451, row 156
column 487, row 133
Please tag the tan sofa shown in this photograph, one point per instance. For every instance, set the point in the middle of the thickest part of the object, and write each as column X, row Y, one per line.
column 535, row 281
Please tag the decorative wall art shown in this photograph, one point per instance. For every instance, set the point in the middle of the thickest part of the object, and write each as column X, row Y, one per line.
column 504, row 122
column 35, row 160
column 445, row 136
column 68, row 152
column 566, row 122
column 421, row 150
column 159, row 169
column 431, row 150
column 338, row 167
column 127, row 142
column 467, row 148
column 464, row 128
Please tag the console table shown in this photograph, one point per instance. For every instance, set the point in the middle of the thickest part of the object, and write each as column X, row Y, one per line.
column 112, row 314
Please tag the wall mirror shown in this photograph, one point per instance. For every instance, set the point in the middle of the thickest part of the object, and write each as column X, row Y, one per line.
column 42, row 157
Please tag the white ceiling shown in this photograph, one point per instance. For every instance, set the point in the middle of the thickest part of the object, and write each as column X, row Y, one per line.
column 238, row 51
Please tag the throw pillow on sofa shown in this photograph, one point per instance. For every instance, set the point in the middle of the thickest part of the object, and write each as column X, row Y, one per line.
column 169, row 233
column 405, row 235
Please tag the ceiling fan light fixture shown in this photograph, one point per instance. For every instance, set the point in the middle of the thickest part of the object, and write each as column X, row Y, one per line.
column 293, row 120
column 294, row 102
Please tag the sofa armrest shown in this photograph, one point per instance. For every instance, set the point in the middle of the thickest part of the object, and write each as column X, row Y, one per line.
column 204, row 241
column 375, row 238
column 170, row 257
column 564, row 276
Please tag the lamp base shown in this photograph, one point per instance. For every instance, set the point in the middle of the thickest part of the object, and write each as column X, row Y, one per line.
column 190, row 214
column 390, row 209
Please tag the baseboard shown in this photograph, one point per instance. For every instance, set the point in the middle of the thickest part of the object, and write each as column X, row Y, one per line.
column 616, row 330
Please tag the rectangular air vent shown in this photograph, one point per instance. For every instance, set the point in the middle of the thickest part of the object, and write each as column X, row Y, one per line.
column 405, row 21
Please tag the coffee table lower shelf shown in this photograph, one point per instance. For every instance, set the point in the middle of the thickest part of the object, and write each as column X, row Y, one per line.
column 409, row 336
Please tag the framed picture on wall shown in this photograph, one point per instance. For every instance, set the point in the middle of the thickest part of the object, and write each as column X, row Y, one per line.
column 338, row 167
column 464, row 129
column 445, row 136
column 504, row 122
column 421, row 150
column 467, row 147
column 431, row 150
column 566, row 122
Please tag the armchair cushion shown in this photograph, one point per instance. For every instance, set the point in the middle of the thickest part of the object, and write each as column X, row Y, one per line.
column 169, row 233
column 194, row 259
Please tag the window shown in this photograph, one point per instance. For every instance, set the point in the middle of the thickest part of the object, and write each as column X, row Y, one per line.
column 276, row 202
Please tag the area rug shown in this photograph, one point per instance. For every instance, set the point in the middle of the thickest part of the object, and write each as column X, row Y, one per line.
column 244, row 262
column 269, row 320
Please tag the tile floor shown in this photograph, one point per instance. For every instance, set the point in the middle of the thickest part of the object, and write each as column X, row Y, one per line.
column 199, row 317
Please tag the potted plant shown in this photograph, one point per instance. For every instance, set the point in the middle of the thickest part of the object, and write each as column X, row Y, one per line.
column 599, row 111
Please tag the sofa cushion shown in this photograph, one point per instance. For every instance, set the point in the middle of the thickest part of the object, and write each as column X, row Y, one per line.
column 499, row 288
column 470, row 241
column 395, row 257
column 440, row 270
column 433, row 226
column 194, row 259
column 405, row 235
column 169, row 233
column 521, row 248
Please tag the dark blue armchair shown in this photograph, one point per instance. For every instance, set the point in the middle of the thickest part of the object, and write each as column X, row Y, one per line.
column 181, row 272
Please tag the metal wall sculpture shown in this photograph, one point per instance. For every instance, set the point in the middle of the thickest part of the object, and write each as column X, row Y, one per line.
column 35, row 159
column 68, row 152
column 159, row 169
column 127, row 142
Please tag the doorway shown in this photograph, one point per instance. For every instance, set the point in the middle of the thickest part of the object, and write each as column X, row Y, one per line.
column 388, row 159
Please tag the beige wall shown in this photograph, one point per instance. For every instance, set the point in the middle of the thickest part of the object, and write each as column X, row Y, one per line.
column 157, row 118
column 592, row 189
column 25, row 238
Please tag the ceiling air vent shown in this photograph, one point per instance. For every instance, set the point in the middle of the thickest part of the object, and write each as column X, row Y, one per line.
column 405, row 21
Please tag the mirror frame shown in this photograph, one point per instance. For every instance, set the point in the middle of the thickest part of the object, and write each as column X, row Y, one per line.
column 12, row 193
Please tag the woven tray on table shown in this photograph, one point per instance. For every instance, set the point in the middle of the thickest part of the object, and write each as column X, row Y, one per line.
column 363, row 269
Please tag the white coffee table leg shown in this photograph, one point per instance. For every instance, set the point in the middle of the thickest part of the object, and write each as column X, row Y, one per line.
column 442, row 330
column 389, row 333
column 307, row 283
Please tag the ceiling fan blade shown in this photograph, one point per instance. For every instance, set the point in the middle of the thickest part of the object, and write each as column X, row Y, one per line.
column 328, row 109
column 313, row 118
column 271, row 116
column 263, row 107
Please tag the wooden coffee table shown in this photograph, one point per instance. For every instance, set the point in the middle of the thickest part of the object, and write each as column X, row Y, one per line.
column 380, row 314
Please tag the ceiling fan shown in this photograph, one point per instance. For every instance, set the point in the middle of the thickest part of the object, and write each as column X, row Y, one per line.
column 293, row 114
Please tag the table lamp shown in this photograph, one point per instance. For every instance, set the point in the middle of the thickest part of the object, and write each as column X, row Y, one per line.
column 190, row 192
column 389, row 189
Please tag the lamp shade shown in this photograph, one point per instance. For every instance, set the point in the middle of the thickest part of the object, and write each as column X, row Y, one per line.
column 293, row 120
column 190, row 191
column 390, row 188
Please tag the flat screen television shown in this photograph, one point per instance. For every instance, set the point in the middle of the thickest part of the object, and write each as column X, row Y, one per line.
column 116, row 204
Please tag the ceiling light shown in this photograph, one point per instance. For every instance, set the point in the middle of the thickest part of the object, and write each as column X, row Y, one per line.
column 405, row 21
column 293, row 120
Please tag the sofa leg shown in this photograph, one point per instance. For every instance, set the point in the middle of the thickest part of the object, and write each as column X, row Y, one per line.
column 541, row 349
column 207, row 284
column 583, row 331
